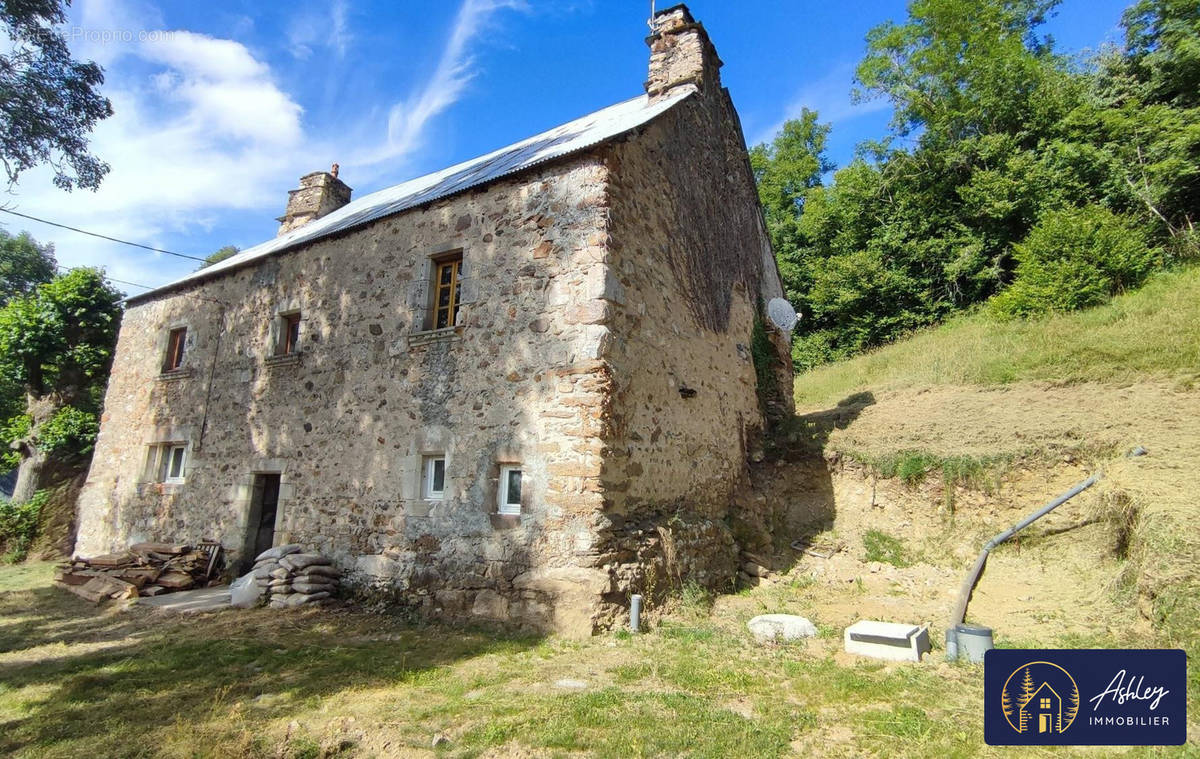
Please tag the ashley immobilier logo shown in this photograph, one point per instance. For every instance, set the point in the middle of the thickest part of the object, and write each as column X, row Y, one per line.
column 1092, row 697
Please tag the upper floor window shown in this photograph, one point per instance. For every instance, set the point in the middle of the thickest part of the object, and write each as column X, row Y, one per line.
column 289, row 334
column 175, row 345
column 447, row 290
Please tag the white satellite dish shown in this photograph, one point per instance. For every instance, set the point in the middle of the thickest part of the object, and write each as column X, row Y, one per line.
column 781, row 314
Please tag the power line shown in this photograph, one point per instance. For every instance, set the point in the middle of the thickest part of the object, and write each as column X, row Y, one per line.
column 103, row 237
column 110, row 279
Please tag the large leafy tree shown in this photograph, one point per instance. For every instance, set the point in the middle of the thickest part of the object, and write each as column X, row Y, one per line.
column 787, row 171
column 49, row 102
column 24, row 264
column 994, row 135
column 57, row 345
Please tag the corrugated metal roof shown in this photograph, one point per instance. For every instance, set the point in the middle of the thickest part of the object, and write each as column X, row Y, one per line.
column 560, row 141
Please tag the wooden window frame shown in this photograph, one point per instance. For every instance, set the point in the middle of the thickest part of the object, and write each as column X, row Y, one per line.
column 429, row 470
column 452, row 264
column 288, row 343
column 503, row 506
column 176, row 349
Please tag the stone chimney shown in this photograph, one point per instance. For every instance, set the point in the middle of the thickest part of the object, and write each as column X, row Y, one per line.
column 680, row 53
column 320, row 193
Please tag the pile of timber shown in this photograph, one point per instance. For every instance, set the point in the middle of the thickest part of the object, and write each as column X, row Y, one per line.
column 145, row 569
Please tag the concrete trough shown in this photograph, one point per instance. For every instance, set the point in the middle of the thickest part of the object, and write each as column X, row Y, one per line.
column 893, row 641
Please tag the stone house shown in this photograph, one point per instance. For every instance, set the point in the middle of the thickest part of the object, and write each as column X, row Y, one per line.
column 520, row 388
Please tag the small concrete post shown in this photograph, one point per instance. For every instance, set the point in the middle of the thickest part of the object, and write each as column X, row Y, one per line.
column 635, row 613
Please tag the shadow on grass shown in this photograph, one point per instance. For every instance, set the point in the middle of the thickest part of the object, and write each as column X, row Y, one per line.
column 81, row 678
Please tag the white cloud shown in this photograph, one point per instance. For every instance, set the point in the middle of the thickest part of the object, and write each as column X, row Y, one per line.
column 323, row 26
column 200, row 128
column 203, row 133
column 409, row 118
column 829, row 96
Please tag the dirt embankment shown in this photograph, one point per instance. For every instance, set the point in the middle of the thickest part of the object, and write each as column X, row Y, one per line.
column 1114, row 564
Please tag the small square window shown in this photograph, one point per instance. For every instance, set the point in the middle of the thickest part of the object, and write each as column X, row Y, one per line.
column 289, row 334
column 510, row 490
column 175, row 346
column 174, row 461
column 1045, row 703
column 435, row 477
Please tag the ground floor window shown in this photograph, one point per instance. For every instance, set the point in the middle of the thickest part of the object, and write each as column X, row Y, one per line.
column 435, row 477
column 510, row 489
column 167, row 462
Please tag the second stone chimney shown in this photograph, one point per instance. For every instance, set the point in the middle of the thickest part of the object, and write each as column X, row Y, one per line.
column 680, row 53
column 320, row 193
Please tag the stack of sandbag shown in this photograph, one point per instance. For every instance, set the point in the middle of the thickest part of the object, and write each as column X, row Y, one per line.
column 286, row 578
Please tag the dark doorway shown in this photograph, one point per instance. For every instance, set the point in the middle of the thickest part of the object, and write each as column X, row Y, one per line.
column 264, row 505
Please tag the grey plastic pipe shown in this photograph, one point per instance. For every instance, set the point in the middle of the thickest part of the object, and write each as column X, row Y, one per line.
column 964, row 594
column 635, row 613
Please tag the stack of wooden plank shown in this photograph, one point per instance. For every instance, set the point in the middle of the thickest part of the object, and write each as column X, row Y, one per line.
column 145, row 569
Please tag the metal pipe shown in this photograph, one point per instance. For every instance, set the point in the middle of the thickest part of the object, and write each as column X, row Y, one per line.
column 964, row 594
column 635, row 613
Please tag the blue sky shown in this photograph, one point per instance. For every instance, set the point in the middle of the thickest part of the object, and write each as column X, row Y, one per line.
column 222, row 105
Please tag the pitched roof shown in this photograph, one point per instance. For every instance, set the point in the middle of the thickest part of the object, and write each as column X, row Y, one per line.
column 593, row 129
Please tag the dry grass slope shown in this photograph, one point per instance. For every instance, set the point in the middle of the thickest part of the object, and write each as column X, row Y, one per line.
column 1151, row 333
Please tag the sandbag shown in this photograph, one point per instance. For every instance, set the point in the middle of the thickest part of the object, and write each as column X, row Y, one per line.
column 299, row 599
column 265, row 568
column 302, row 560
column 312, row 587
column 323, row 570
column 279, row 552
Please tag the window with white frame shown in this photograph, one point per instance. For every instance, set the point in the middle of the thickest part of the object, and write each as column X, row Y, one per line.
column 172, row 462
column 510, row 489
column 434, row 477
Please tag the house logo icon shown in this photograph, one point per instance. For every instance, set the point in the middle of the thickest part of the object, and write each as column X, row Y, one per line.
column 1040, row 697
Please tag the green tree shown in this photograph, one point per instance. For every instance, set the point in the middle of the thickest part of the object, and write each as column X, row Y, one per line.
column 220, row 255
column 788, row 171
column 48, row 101
column 24, row 264
column 57, row 345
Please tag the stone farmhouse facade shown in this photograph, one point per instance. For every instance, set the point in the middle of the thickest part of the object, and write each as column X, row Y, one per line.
column 522, row 388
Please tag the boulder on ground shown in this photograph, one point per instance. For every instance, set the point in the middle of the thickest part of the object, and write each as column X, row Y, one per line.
column 769, row 628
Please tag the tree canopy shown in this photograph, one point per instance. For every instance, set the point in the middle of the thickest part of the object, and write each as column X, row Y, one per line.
column 24, row 264
column 1000, row 148
column 49, row 102
column 56, row 346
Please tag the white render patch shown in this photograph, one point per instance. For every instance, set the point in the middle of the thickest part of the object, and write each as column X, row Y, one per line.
column 893, row 641
column 593, row 129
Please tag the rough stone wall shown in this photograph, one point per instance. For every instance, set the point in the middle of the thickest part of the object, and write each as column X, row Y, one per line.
column 690, row 253
column 347, row 421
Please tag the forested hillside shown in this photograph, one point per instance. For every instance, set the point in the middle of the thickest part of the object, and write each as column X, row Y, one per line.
column 1012, row 174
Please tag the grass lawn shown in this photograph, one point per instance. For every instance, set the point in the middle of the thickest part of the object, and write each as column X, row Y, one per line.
column 80, row 681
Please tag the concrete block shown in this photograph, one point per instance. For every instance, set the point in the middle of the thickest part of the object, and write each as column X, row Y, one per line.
column 893, row 641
